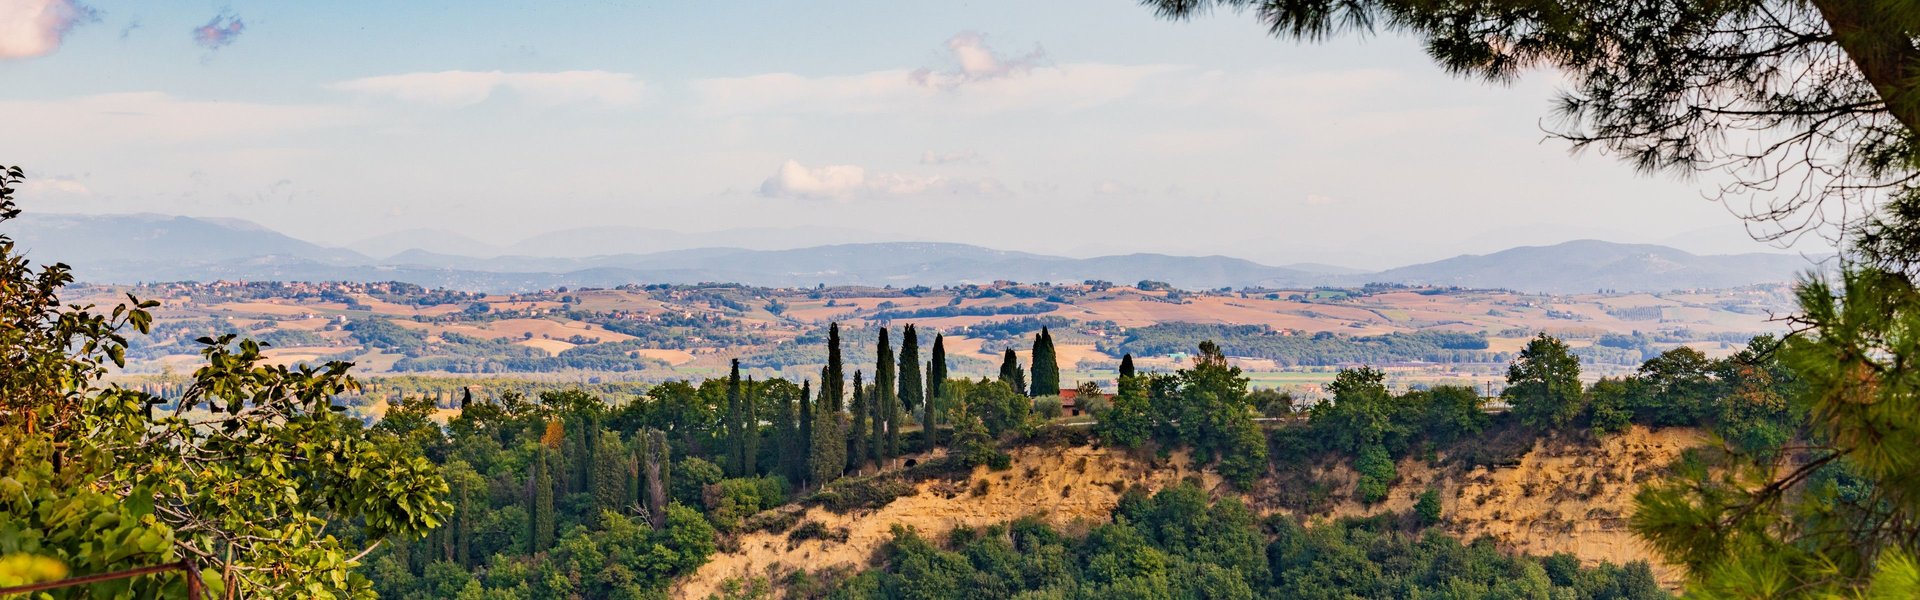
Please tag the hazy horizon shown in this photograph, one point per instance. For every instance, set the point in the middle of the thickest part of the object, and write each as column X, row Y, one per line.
column 1073, row 128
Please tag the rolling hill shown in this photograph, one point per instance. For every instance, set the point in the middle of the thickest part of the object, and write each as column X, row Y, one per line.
column 1588, row 265
column 144, row 247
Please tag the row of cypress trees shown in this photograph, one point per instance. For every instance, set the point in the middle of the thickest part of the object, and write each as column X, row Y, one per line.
column 824, row 435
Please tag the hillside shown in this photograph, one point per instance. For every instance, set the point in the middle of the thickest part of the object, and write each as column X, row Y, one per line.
column 1560, row 496
column 130, row 248
column 1587, row 265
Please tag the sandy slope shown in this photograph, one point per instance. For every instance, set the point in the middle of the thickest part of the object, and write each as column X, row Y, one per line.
column 1560, row 497
column 1069, row 486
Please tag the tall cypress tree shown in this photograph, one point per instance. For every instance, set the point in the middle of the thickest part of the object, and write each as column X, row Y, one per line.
column 857, row 434
column 912, row 390
column 832, row 394
column 463, row 528
column 610, row 460
column 1046, row 366
column 1126, row 366
column 749, row 428
column 736, row 438
column 540, row 515
column 937, row 400
column 779, row 401
column 883, row 402
column 803, row 452
column 827, row 459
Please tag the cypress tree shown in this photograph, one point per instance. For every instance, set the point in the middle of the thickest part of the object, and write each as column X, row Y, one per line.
column 857, row 434
column 610, row 459
column 749, row 427
column 792, row 435
column 884, row 402
column 463, row 528
column 801, row 450
column 936, row 389
column 1126, row 366
column 832, row 395
column 540, row 496
column 828, row 456
column 736, row 438
column 912, row 389
column 1046, row 366
column 1011, row 373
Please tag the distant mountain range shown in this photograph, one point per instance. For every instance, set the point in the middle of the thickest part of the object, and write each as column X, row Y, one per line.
column 144, row 248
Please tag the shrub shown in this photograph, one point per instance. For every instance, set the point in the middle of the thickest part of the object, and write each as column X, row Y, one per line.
column 1427, row 510
column 1048, row 407
column 1376, row 473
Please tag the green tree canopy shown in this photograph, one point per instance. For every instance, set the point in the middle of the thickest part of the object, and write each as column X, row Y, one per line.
column 1543, row 384
column 246, row 472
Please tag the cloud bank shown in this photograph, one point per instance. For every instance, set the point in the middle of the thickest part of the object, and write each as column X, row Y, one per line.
column 455, row 89
column 30, row 28
column 849, row 182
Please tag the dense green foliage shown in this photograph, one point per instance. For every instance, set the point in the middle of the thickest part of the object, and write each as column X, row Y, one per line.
column 1204, row 407
column 1543, row 385
column 252, row 473
column 1831, row 514
column 1175, row 544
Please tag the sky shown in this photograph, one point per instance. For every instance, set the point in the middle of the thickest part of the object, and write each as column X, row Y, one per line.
column 1072, row 127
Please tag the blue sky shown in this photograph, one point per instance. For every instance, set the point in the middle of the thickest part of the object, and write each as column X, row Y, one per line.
column 1070, row 127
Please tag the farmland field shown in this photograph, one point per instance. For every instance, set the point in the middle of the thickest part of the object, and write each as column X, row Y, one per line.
column 1283, row 338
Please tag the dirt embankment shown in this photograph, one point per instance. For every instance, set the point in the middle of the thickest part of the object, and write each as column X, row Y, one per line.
column 1069, row 487
column 1561, row 496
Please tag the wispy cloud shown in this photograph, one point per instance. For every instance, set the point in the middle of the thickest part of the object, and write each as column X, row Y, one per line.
column 1068, row 88
column 222, row 30
column 849, row 182
column 454, row 89
column 30, row 28
column 975, row 61
column 56, row 185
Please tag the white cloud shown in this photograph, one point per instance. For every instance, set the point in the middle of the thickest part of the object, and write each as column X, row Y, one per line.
column 849, row 182
column 976, row 61
column 454, row 89
column 30, row 28
column 53, row 186
column 1321, row 200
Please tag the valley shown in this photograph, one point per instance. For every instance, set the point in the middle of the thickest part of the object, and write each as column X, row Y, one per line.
column 1290, row 338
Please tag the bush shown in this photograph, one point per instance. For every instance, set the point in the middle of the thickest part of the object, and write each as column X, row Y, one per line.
column 1048, row 407
column 1094, row 404
column 1376, row 473
column 861, row 492
column 1427, row 510
column 733, row 500
column 813, row 530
